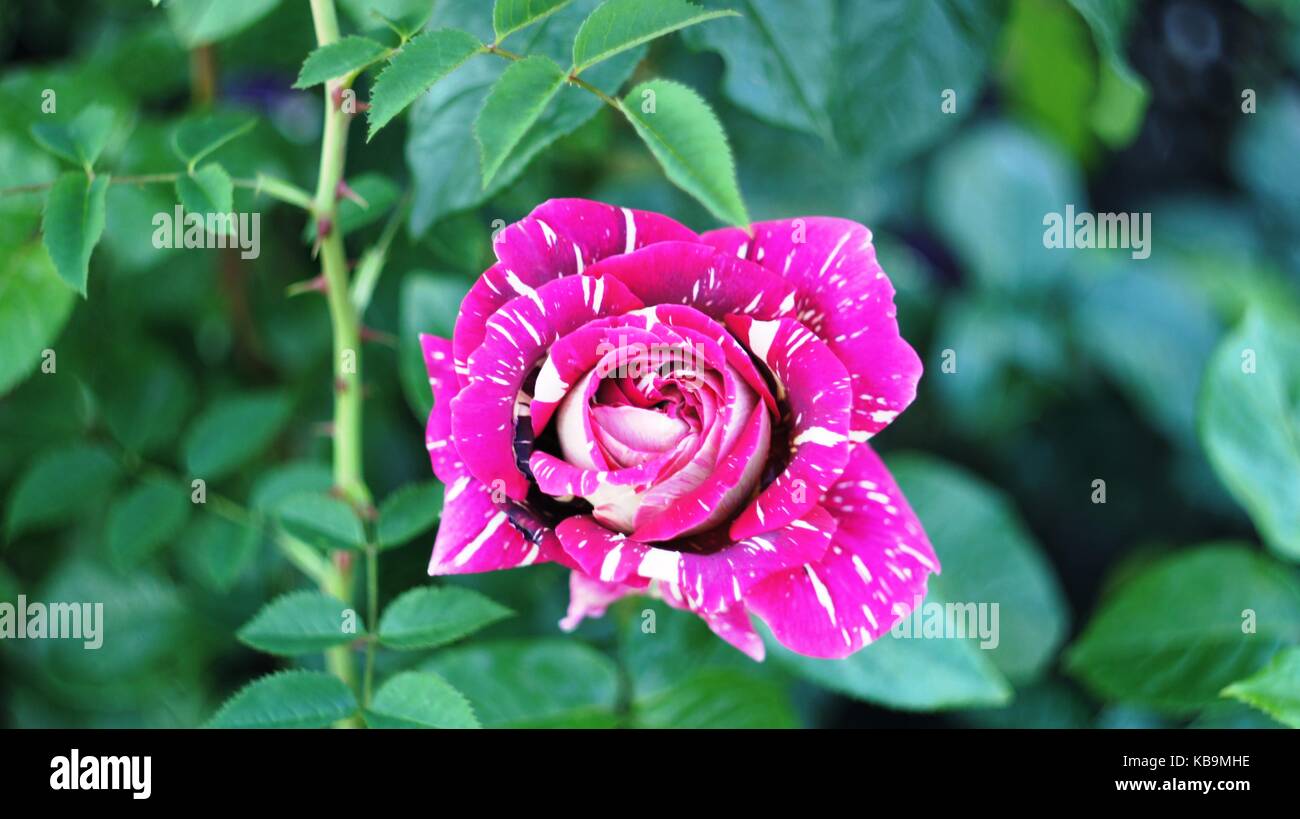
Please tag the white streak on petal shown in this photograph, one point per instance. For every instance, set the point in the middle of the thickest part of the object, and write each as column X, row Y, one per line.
column 473, row 546
column 660, row 564
column 631, row 230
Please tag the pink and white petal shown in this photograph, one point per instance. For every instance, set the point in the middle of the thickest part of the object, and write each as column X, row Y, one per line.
column 817, row 388
column 437, row 434
column 697, row 275
column 476, row 535
column 845, row 298
column 483, row 414
column 696, row 325
column 589, row 597
column 497, row 286
column 561, row 237
column 722, row 578
column 729, row 484
column 875, row 571
column 600, row 230
column 602, row 553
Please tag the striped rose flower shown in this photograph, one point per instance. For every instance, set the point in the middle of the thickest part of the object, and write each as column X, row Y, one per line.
column 684, row 416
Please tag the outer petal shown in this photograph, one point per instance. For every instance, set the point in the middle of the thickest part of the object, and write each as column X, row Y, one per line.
column 874, row 572
column 707, row 581
column 818, row 391
column 483, row 414
column 476, row 534
column 437, row 435
column 845, row 298
column 560, row 237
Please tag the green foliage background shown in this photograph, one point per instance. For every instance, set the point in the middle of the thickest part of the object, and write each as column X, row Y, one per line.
column 1072, row 366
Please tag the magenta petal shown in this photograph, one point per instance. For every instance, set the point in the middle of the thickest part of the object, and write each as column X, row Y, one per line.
column 874, row 572
column 817, row 388
column 722, row 579
column 483, row 414
column 605, row 555
column 708, row 582
column 476, row 535
column 600, row 230
column 728, row 485
column 846, row 299
column 560, row 237
column 437, row 433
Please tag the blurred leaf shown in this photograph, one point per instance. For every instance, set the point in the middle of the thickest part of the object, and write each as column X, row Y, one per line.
column 429, row 304
column 143, row 629
column 207, row 190
column 988, row 557
column 410, row 511
column 771, row 71
column 513, row 105
column 1250, row 423
column 684, row 134
column 509, row 16
column 219, row 550
column 143, row 519
column 1049, row 71
column 198, row 22
column 73, row 224
column 59, row 485
column 22, row 163
column 1229, row 714
column 34, row 305
column 1121, row 104
column 429, row 617
column 1263, row 153
column 419, row 699
column 197, row 137
column 718, row 699
column 441, row 135
column 301, row 622
column 1007, row 360
column 282, row 482
column 618, row 25
column 288, row 699
column 413, row 70
column 1177, row 631
column 1046, row 705
column 322, row 521
column 539, row 683
column 79, row 141
column 232, row 431
column 907, row 674
column 1274, row 689
column 1151, row 333
column 662, row 648
column 338, row 58
column 987, row 195
column 893, row 83
column 407, row 16
column 146, row 398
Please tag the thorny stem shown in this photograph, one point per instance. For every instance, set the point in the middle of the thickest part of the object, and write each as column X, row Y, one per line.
column 348, row 480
